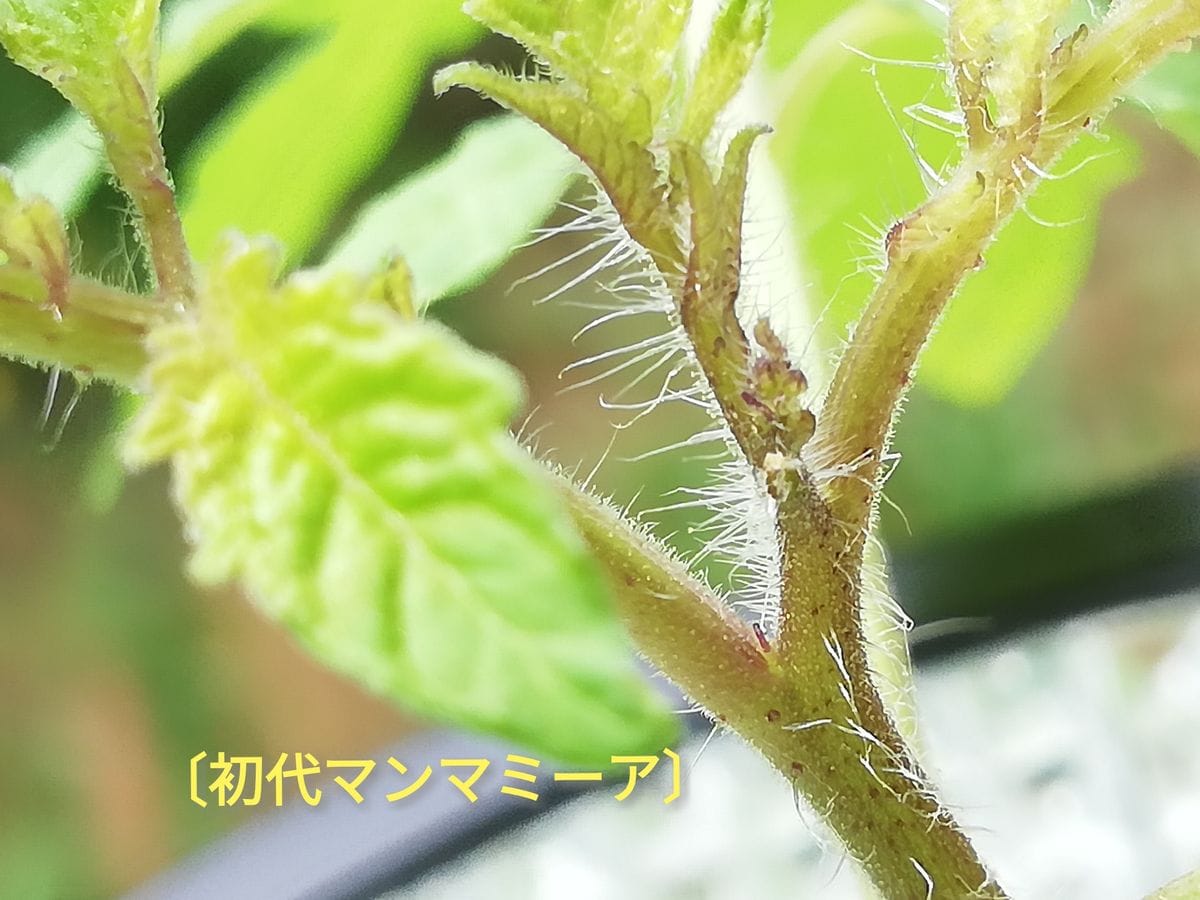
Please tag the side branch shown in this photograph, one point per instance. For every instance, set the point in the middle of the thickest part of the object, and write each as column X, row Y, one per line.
column 677, row 622
column 873, row 795
column 934, row 248
column 99, row 332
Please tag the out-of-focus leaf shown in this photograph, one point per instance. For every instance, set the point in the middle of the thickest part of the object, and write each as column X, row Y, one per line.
column 1171, row 91
column 63, row 163
column 793, row 25
column 354, row 469
column 311, row 128
column 850, row 177
column 103, row 478
column 194, row 30
column 499, row 183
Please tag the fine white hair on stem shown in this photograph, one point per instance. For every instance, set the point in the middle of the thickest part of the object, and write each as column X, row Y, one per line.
column 924, row 875
column 51, row 396
column 902, row 63
column 804, row 726
column 736, row 516
column 930, row 177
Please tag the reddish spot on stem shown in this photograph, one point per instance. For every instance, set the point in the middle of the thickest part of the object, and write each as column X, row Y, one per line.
column 891, row 241
column 762, row 638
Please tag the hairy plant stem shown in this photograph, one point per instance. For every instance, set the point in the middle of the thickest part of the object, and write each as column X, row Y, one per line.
column 1185, row 888
column 140, row 165
column 811, row 704
column 793, row 711
column 939, row 244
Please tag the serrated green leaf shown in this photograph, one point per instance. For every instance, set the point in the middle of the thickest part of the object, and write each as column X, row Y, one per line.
column 283, row 159
column 488, row 194
column 626, row 169
column 621, row 53
column 851, row 177
column 618, row 96
column 793, row 26
column 354, row 469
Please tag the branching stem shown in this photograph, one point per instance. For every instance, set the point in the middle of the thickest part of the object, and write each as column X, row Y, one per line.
column 810, row 703
column 99, row 332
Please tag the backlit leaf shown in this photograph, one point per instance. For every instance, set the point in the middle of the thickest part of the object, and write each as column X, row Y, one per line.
column 353, row 468
column 1171, row 93
column 499, row 183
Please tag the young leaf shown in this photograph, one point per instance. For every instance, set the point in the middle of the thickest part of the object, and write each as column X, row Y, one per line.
column 614, row 65
column 353, row 468
column 737, row 35
column 626, row 169
column 620, row 54
column 498, row 184
column 616, row 96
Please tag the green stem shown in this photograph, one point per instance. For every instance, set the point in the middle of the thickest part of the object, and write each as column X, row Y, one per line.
column 99, row 333
column 139, row 162
column 811, row 705
column 1185, row 888
column 796, row 714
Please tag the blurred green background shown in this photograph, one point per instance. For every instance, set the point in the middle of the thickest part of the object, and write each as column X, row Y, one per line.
column 1065, row 396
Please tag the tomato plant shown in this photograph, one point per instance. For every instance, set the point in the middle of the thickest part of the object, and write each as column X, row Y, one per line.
column 349, row 460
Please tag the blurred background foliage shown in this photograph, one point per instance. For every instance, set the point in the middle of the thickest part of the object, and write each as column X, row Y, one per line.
column 1050, row 445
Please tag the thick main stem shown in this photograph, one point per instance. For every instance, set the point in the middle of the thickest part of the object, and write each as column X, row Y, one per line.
column 794, row 712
